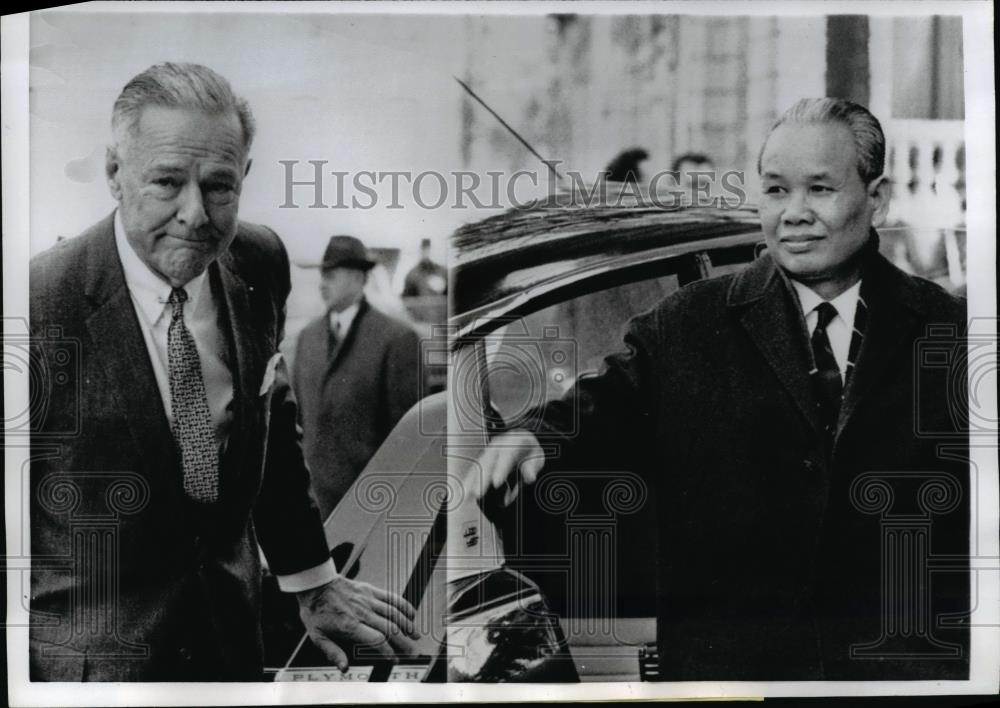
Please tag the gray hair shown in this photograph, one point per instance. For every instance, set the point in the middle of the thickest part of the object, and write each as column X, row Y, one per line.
column 869, row 140
column 179, row 86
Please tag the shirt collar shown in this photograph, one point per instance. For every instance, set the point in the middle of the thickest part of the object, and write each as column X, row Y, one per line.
column 149, row 290
column 345, row 317
column 846, row 303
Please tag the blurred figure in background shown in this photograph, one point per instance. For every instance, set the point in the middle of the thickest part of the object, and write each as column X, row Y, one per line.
column 694, row 169
column 425, row 297
column 625, row 166
column 426, row 277
column 355, row 374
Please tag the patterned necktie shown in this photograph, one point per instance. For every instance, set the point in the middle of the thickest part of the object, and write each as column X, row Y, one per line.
column 193, row 428
column 826, row 374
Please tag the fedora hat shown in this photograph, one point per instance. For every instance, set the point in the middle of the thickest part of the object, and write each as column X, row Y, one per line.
column 346, row 252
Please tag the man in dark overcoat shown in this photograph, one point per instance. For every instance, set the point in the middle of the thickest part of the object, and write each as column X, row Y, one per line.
column 809, row 459
column 355, row 374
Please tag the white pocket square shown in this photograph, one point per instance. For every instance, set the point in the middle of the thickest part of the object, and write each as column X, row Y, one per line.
column 269, row 373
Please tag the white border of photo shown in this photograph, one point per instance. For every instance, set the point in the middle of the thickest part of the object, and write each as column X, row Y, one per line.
column 980, row 166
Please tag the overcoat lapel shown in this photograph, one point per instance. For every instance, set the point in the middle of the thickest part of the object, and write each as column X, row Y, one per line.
column 347, row 341
column 765, row 309
column 891, row 319
column 117, row 342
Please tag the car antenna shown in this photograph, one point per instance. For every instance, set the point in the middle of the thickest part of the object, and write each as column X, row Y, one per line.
column 548, row 163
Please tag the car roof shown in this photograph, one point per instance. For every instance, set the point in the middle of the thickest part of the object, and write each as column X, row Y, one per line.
column 502, row 263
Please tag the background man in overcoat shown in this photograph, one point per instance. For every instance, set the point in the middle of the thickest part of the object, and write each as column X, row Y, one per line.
column 355, row 374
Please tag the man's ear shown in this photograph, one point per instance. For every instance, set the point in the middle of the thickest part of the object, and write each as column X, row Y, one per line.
column 112, row 171
column 879, row 191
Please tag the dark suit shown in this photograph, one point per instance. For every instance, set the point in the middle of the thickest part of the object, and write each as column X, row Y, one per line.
column 130, row 580
column 769, row 560
column 352, row 397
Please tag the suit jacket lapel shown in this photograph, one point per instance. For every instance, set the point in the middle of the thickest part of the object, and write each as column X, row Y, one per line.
column 238, row 315
column 248, row 356
column 774, row 323
column 117, row 341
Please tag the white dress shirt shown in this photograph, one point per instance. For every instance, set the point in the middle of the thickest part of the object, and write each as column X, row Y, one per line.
column 340, row 322
column 841, row 327
column 149, row 293
column 149, row 297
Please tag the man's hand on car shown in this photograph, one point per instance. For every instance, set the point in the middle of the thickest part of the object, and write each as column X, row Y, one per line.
column 345, row 613
column 508, row 461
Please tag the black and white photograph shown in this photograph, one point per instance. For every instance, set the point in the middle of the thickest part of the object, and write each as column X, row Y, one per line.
column 433, row 351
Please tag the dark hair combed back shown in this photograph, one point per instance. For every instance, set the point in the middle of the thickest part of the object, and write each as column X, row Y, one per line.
column 179, row 86
column 869, row 140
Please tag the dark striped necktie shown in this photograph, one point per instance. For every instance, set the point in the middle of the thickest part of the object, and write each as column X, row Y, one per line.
column 825, row 373
column 333, row 335
column 193, row 428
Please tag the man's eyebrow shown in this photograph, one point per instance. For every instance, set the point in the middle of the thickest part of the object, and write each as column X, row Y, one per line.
column 220, row 173
column 818, row 176
column 164, row 169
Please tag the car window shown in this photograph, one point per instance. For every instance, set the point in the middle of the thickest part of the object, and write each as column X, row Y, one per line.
column 537, row 357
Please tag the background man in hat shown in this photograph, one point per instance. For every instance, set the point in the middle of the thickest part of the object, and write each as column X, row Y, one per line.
column 782, row 415
column 170, row 447
column 355, row 374
column 426, row 277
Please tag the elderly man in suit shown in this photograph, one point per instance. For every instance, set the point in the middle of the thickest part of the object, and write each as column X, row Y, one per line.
column 802, row 457
column 170, row 447
column 355, row 374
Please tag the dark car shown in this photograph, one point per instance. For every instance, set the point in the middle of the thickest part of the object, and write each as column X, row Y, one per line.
column 540, row 296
